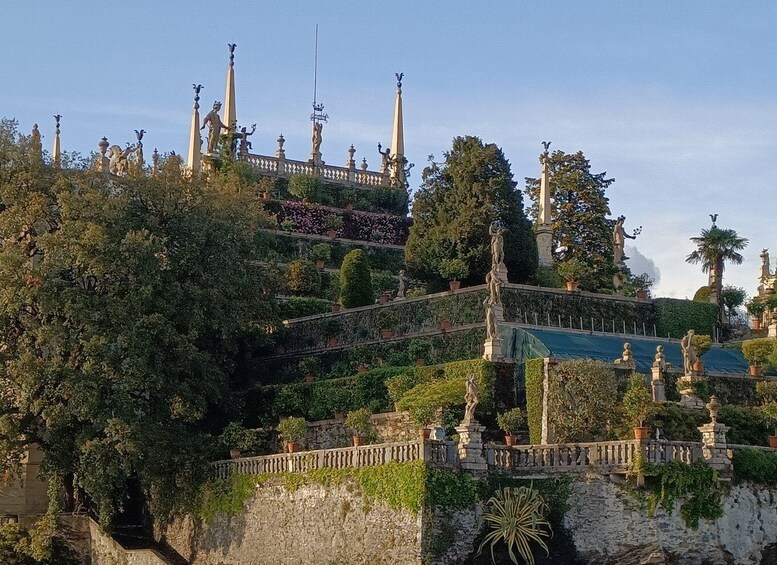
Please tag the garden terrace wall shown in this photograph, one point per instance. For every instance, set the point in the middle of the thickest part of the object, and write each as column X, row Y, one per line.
column 414, row 316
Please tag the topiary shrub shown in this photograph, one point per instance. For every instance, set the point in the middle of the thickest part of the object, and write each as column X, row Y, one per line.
column 758, row 351
column 638, row 401
column 304, row 278
column 534, row 374
column 355, row 280
column 675, row 317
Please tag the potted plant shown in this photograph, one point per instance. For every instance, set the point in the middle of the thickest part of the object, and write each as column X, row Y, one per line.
column 332, row 328
column 397, row 386
column 638, row 405
column 443, row 310
column 339, row 401
column 387, row 321
column 423, row 416
column 757, row 352
column 321, row 253
column 236, row 439
column 756, row 309
column 769, row 411
column 287, row 225
column 361, row 423
column 453, row 270
column 335, row 307
column 292, row 432
column 309, row 367
column 703, row 345
column 510, row 423
column 642, row 284
column 419, row 349
column 334, row 223
column 571, row 270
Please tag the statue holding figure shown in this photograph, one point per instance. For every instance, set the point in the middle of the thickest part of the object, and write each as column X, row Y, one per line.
column 385, row 158
column 619, row 236
column 688, row 345
column 245, row 145
column 471, row 399
column 495, row 230
column 213, row 121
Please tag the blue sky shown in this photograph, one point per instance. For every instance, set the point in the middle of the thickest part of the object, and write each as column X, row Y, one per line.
column 676, row 100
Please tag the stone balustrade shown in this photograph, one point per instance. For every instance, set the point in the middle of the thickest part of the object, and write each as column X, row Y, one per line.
column 603, row 457
column 304, row 461
column 281, row 167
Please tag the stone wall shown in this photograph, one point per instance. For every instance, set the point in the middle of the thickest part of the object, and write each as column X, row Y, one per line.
column 605, row 521
column 104, row 550
column 391, row 427
column 312, row 525
column 28, row 495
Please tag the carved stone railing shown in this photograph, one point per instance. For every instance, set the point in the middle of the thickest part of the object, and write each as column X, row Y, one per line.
column 304, row 461
column 441, row 453
column 605, row 457
column 285, row 168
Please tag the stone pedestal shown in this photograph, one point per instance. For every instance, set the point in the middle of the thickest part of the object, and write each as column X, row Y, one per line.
column 715, row 447
column 499, row 313
column 493, row 349
column 772, row 331
column 687, row 397
column 471, row 446
column 544, row 234
column 658, row 385
column 315, row 159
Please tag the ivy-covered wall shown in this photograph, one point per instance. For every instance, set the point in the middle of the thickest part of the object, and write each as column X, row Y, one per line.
column 675, row 317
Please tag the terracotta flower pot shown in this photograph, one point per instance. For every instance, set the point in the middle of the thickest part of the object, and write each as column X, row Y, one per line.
column 445, row 325
column 455, row 285
column 331, row 234
column 642, row 294
column 756, row 323
column 641, row 433
column 571, row 286
column 773, row 442
column 362, row 368
column 339, row 416
column 424, row 433
column 698, row 366
column 266, row 196
column 335, row 307
column 509, row 440
column 420, row 362
column 386, row 334
column 755, row 370
column 383, row 298
column 319, row 264
column 332, row 341
column 358, row 441
column 292, row 447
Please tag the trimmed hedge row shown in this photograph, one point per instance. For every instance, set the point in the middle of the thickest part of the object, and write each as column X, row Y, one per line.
column 675, row 317
column 379, row 199
column 755, row 466
column 534, row 393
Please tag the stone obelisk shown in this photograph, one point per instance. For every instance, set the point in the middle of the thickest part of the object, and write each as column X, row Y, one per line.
column 55, row 151
column 230, row 116
column 544, row 227
column 398, row 140
column 194, row 159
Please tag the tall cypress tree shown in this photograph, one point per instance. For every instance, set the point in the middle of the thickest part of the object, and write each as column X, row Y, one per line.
column 580, row 210
column 457, row 202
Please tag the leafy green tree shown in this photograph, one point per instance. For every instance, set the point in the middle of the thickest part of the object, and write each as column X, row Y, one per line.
column 304, row 278
column 714, row 248
column 355, row 280
column 579, row 211
column 452, row 211
column 124, row 309
column 732, row 297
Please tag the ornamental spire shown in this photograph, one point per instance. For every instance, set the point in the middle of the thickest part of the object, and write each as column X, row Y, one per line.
column 544, row 227
column 55, row 152
column 193, row 161
column 230, row 116
column 398, row 139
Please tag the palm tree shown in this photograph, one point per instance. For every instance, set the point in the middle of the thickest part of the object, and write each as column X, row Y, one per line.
column 714, row 247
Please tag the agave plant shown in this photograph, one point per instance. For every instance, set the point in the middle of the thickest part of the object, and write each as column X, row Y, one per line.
column 517, row 517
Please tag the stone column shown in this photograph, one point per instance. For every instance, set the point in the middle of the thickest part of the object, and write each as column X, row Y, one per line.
column 493, row 349
column 713, row 438
column 471, row 446
column 658, row 384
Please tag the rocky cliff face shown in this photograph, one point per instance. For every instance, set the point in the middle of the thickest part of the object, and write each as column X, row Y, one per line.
column 610, row 526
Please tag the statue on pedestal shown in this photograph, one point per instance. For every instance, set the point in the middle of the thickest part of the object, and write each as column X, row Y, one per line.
column 619, row 236
column 495, row 230
column 494, row 284
column 471, row 399
column 402, row 284
column 318, row 129
column 213, row 121
column 492, row 332
column 385, row 158
column 245, row 145
column 765, row 266
column 688, row 345
column 35, row 140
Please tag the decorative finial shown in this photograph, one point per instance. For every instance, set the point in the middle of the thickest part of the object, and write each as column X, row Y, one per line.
column 546, row 145
column 399, row 79
column 139, row 135
column 364, row 164
column 713, row 406
column 232, row 53
column 197, row 88
column 714, row 218
column 103, row 145
column 57, row 117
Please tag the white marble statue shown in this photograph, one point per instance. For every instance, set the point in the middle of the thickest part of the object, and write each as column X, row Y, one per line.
column 688, row 345
column 471, row 399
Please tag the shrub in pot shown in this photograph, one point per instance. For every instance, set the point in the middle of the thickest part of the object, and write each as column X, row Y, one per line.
column 510, row 423
column 237, row 439
column 756, row 309
column 769, row 411
column 361, row 423
column 571, row 270
column 453, row 270
column 398, row 385
column 703, row 345
column 321, row 253
column 638, row 404
column 292, row 432
column 757, row 353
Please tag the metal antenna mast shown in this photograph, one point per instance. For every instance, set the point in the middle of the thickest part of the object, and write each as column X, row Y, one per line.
column 318, row 109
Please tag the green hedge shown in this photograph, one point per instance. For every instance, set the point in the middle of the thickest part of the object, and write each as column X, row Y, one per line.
column 748, row 426
column 675, row 317
column 380, row 199
column 299, row 307
column 755, row 466
column 534, row 382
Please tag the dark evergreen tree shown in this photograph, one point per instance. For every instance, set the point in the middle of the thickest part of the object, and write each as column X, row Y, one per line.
column 580, row 209
column 453, row 209
column 355, row 280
